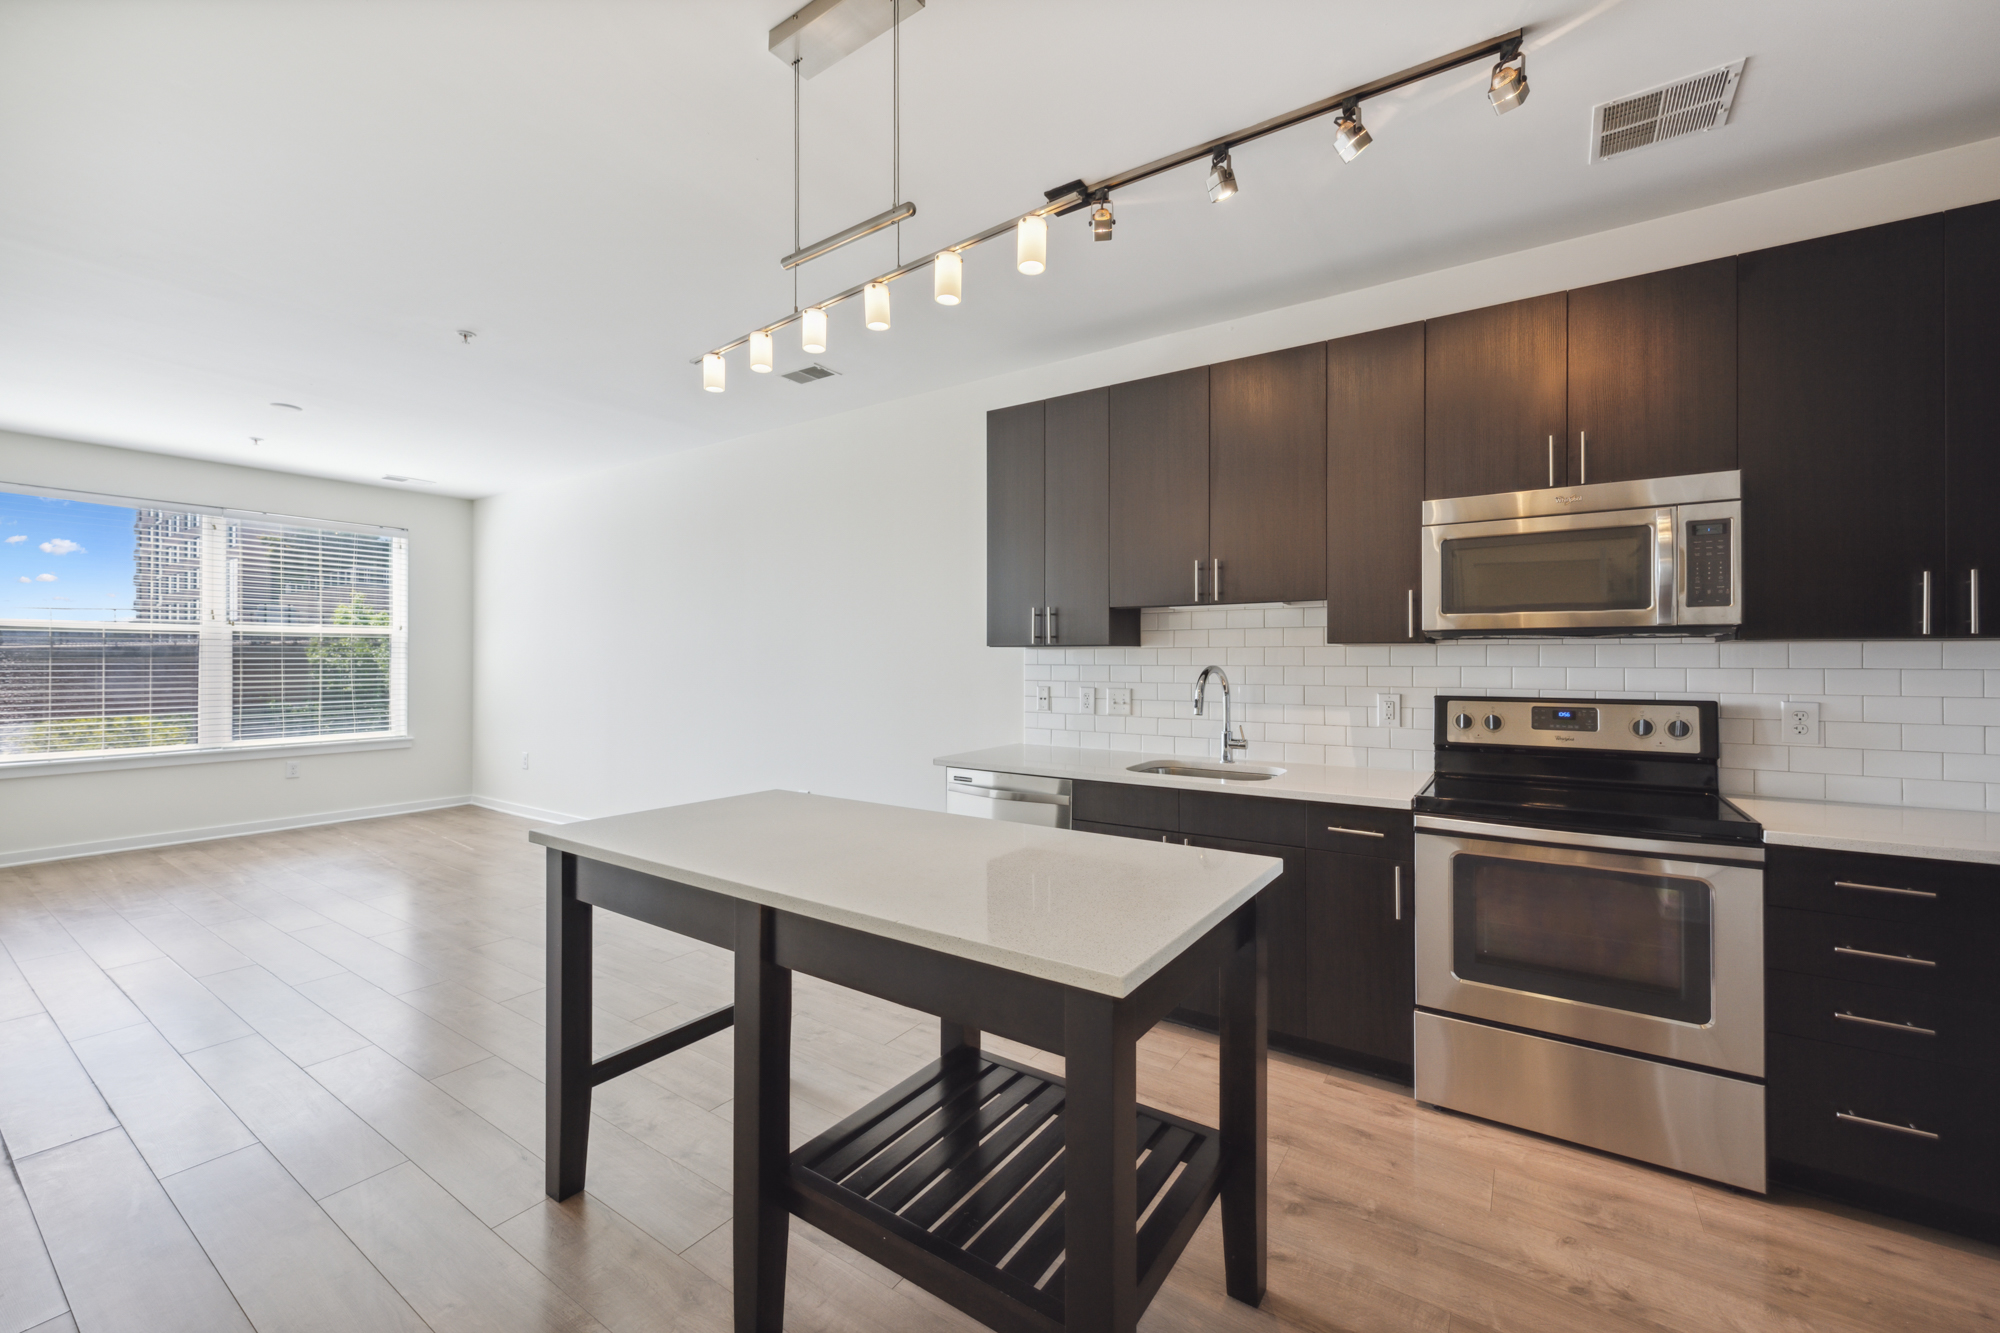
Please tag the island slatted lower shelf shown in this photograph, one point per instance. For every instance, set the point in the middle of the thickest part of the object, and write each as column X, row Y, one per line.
column 954, row 1179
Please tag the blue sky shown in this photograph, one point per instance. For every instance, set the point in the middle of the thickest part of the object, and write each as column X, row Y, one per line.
column 75, row 558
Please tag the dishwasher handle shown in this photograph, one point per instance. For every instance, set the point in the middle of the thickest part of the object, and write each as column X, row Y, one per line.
column 1001, row 794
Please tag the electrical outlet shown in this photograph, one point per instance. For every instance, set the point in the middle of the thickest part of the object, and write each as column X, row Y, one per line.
column 1388, row 710
column 1798, row 722
column 291, row 768
column 1086, row 698
column 1118, row 702
column 524, row 759
column 1042, row 704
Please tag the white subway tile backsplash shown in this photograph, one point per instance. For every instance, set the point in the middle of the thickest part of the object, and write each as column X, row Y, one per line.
column 1945, row 795
column 1972, row 712
column 1825, row 654
column 1946, row 740
column 1914, row 655
column 1901, row 764
column 1963, row 684
column 1897, row 708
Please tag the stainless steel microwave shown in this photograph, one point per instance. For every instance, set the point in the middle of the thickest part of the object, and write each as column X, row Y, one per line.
column 1663, row 555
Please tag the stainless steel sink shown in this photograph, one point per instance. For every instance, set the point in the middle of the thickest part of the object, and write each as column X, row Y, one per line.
column 1181, row 768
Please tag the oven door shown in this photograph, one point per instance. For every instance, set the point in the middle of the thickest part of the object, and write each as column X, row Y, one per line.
column 1552, row 572
column 1650, row 947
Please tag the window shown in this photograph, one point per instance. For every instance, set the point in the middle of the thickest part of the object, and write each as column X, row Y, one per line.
column 133, row 627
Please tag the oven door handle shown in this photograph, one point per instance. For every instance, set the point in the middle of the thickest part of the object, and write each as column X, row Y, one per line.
column 1704, row 853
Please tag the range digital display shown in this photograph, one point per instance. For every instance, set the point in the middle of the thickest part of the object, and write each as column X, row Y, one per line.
column 1564, row 719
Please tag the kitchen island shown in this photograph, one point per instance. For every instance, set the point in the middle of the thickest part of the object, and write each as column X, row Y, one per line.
column 1062, row 941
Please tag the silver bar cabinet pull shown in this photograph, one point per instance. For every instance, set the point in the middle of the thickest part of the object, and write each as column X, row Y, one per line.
column 1049, row 634
column 1215, row 579
column 1034, row 624
column 1197, row 579
column 1399, row 893
column 1910, row 1028
column 1410, row 615
column 1357, row 832
column 1582, row 459
column 1882, row 888
column 1552, row 460
column 1975, row 599
column 1911, row 1130
column 1926, row 629
column 1884, row 957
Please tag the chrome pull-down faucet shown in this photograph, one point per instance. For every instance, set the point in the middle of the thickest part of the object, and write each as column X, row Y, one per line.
column 1232, row 737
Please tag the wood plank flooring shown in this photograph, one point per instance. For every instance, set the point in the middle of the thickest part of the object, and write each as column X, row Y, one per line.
column 293, row 1082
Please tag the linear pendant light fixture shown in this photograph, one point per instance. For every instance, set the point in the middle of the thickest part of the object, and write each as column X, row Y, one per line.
column 1507, row 89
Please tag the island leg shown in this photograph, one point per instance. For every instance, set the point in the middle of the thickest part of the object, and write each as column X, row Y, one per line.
column 1244, row 1013
column 566, row 1114
column 956, row 1037
column 762, row 1111
column 1100, row 1166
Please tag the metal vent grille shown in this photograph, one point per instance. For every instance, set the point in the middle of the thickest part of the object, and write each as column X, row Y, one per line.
column 807, row 374
column 1701, row 102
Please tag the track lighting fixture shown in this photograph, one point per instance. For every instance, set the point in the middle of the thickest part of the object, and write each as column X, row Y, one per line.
column 1509, row 87
column 760, row 351
column 1350, row 136
column 1101, row 221
column 947, row 277
column 1221, row 177
column 875, row 307
column 1031, row 244
column 712, row 372
column 812, row 331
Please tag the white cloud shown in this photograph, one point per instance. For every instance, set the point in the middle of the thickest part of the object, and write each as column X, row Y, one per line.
column 43, row 578
column 17, row 537
column 26, row 579
column 60, row 546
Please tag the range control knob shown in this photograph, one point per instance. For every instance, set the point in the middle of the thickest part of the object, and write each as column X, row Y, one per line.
column 1677, row 728
column 1643, row 727
column 1493, row 722
column 1463, row 721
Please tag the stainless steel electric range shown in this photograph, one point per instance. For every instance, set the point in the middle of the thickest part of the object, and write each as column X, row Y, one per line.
column 1590, row 931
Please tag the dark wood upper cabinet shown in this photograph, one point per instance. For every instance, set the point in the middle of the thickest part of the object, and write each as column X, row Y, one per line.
column 1652, row 375
column 1841, row 434
column 1159, row 489
column 1972, row 379
column 1374, row 485
column 1075, row 509
column 1496, row 399
column 1360, row 931
column 1267, row 476
column 1014, row 526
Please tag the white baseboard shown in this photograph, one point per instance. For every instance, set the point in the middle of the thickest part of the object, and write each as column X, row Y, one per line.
column 27, row 856
column 540, row 816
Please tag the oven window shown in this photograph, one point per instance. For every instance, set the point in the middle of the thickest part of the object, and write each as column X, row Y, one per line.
column 1628, row 941
column 1579, row 569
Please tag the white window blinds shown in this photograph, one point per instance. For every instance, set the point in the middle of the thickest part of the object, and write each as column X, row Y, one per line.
column 129, row 626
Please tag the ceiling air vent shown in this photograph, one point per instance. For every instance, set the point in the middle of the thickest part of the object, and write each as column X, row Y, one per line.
column 807, row 374
column 1701, row 102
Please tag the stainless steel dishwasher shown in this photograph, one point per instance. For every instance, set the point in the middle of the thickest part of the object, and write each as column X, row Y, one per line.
column 1014, row 797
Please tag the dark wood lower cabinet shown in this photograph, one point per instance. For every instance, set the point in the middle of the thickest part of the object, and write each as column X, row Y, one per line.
column 1361, row 932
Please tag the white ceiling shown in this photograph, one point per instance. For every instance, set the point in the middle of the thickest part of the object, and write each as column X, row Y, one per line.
column 206, row 207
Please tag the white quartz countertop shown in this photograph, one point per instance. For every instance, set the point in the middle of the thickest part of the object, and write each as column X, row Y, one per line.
column 1097, row 913
column 1888, row 830
column 1386, row 787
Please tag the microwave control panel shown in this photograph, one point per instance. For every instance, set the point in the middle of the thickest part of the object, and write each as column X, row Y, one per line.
column 1634, row 726
column 1708, row 562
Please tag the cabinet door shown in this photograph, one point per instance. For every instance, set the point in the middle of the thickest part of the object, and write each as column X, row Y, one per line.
column 1360, row 933
column 1267, row 476
column 1159, row 489
column 1495, row 396
column 1075, row 510
column 1841, row 434
column 1374, row 485
column 1014, row 526
column 1284, row 899
column 1652, row 375
column 1972, row 369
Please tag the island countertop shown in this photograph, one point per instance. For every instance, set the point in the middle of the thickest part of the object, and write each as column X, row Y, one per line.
column 1388, row 788
column 1100, row 914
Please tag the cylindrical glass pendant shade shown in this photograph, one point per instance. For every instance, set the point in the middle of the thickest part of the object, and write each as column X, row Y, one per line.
column 760, row 352
column 1031, row 244
column 711, row 372
column 948, row 277
column 876, row 306
column 812, row 331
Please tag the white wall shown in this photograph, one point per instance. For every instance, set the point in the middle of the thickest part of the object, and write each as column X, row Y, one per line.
column 806, row 608
column 75, row 813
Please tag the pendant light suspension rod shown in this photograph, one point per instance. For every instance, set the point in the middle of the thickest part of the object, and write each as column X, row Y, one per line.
column 896, row 118
column 886, row 218
column 796, row 243
column 1078, row 197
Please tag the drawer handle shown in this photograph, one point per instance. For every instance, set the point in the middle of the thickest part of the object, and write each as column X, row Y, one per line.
column 1911, row 1130
column 1883, row 888
column 1884, row 957
column 1356, row 832
column 1885, row 1023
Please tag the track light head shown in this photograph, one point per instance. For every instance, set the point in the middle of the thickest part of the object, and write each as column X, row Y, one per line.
column 1221, row 177
column 1509, row 87
column 1350, row 136
column 1101, row 220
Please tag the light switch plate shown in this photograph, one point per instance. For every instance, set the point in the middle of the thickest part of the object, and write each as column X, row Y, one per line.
column 1798, row 722
column 1086, row 698
column 291, row 768
column 1118, row 702
column 1388, row 710
column 1041, row 698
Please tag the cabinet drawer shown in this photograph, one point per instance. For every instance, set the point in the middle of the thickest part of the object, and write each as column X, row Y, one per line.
column 1853, row 948
column 1887, row 888
column 1124, row 831
column 1890, row 1019
column 1360, row 829
column 1127, row 804
column 1888, row 1120
column 1245, row 818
